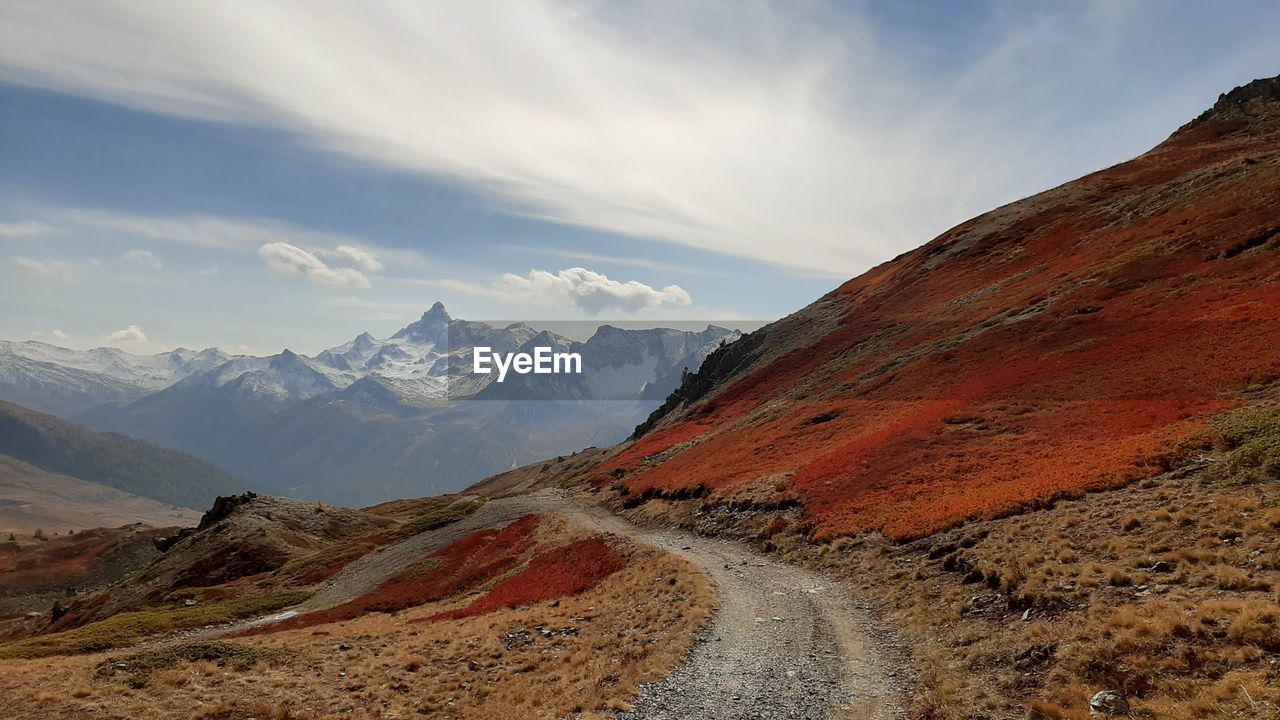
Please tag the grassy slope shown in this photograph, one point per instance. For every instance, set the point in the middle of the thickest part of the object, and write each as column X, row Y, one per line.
column 109, row 459
column 32, row 499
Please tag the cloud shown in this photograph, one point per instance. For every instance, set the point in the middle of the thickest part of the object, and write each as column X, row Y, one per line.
column 25, row 229
column 355, row 257
column 131, row 334
column 239, row 234
column 208, row 272
column 55, row 270
column 59, row 334
column 591, row 292
column 289, row 259
column 800, row 134
column 208, row 231
column 145, row 258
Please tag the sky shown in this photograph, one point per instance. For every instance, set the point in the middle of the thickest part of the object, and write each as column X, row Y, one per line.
column 271, row 174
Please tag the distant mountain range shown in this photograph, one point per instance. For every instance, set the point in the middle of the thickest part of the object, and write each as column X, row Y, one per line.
column 370, row 419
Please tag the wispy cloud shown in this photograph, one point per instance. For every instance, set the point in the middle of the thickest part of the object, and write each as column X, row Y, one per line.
column 144, row 258
column 25, row 229
column 55, row 270
column 207, row 231
column 287, row 259
column 774, row 132
column 602, row 259
column 783, row 132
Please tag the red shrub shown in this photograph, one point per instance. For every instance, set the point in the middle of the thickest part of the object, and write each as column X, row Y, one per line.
column 460, row 566
column 566, row 570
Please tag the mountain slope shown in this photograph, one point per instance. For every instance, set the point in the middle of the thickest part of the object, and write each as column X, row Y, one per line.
column 1061, row 343
column 32, row 499
column 109, row 459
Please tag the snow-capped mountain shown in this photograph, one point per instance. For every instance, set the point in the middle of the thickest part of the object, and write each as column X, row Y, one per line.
column 65, row 382
column 372, row 418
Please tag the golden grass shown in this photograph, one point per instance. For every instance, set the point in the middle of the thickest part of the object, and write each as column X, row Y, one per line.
column 127, row 628
column 584, row 656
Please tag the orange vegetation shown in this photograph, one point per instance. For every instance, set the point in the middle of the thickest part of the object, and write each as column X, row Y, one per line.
column 566, row 570
column 1059, row 344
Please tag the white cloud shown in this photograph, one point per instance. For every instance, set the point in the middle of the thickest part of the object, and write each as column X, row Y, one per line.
column 55, row 270
column 591, row 292
column 25, row 229
column 778, row 132
column 209, row 271
column 131, row 334
column 358, row 258
column 289, row 259
column 785, row 132
column 59, row 334
column 145, row 258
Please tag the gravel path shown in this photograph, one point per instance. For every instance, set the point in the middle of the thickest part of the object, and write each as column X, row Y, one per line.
column 785, row 643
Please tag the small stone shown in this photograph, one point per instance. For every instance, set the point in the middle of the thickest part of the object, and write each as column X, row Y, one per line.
column 1109, row 702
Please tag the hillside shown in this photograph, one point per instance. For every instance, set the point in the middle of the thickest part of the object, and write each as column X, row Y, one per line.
column 441, row 607
column 1070, row 341
column 32, row 499
column 129, row 465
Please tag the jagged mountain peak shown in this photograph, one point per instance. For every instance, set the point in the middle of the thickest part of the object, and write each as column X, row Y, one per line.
column 428, row 328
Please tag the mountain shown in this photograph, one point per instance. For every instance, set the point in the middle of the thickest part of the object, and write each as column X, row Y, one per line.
column 617, row 364
column 32, row 499
column 65, row 382
column 104, row 458
column 1066, row 342
column 376, row 419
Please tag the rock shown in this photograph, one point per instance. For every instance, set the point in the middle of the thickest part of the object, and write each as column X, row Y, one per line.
column 1162, row 567
column 189, row 602
column 344, row 647
column 553, row 604
column 1033, row 657
column 1109, row 702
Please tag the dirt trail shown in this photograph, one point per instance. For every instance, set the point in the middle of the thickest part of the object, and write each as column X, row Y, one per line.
column 785, row 642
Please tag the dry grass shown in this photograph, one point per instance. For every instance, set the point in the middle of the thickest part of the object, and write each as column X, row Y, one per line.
column 1165, row 590
column 583, row 655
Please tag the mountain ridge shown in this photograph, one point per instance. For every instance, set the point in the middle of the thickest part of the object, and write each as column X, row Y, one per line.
column 377, row 419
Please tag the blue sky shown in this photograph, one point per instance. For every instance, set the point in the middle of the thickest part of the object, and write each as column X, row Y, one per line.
column 295, row 173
